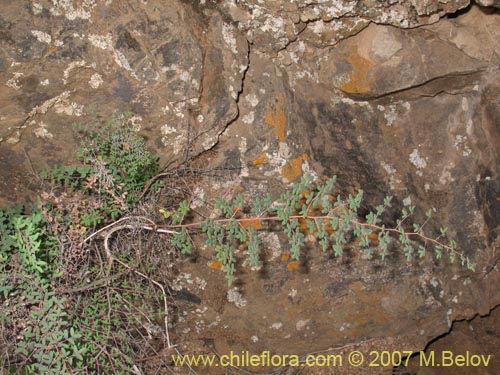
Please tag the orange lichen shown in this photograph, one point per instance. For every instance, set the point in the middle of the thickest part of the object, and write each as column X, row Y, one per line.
column 359, row 83
column 261, row 159
column 329, row 229
column 292, row 265
column 285, row 256
column 253, row 223
column 304, row 226
column 373, row 238
column 216, row 264
column 276, row 117
column 293, row 169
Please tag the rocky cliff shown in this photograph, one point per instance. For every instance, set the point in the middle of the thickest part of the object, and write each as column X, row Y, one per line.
column 397, row 97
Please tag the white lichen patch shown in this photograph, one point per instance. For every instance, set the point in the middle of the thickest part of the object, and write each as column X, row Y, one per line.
column 44, row 107
column 301, row 74
column 36, row 8
column 70, row 109
column 393, row 180
column 254, row 339
column 45, row 82
column 104, row 42
column 278, row 159
column 122, row 61
column 277, row 325
column 248, row 118
column 308, row 170
column 407, row 201
column 42, row 132
column 66, row 8
column 350, row 101
column 135, row 121
column 185, row 281
column 284, row 150
column 14, row 137
column 201, row 311
column 95, row 80
column 167, row 130
column 243, row 149
column 232, row 92
column 301, row 324
column 446, row 178
column 465, row 104
column 234, row 296
column 184, row 76
column 418, row 161
column 276, row 25
column 229, row 38
column 14, row 82
column 461, row 144
column 200, row 283
column 176, row 143
column 271, row 242
column 344, row 326
column 390, row 114
column 197, row 198
column 434, row 282
column 252, row 99
column 336, row 9
column 41, row 36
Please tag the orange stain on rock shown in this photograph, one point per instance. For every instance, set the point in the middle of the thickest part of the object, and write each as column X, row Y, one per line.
column 215, row 264
column 293, row 169
column 261, row 159
column 373, row 238
column 276, row 117
column 358, row 77
column 252, row 223
column 292, row 265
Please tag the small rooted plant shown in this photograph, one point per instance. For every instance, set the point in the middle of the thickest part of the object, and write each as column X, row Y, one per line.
column 115, row 166
column 53, row 318
column 309, row 208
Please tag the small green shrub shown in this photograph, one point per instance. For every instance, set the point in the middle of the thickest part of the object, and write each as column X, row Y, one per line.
column 116, row 165
column 52, row 320
column 311, row 208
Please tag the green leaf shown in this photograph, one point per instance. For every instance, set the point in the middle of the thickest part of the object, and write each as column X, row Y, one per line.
column 387, row 201
column 303, row 211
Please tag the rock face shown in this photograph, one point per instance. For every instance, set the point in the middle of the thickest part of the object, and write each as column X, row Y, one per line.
column 395, row 97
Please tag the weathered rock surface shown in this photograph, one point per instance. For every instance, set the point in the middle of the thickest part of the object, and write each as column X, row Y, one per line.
column 396, row 97
column 178, row 70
